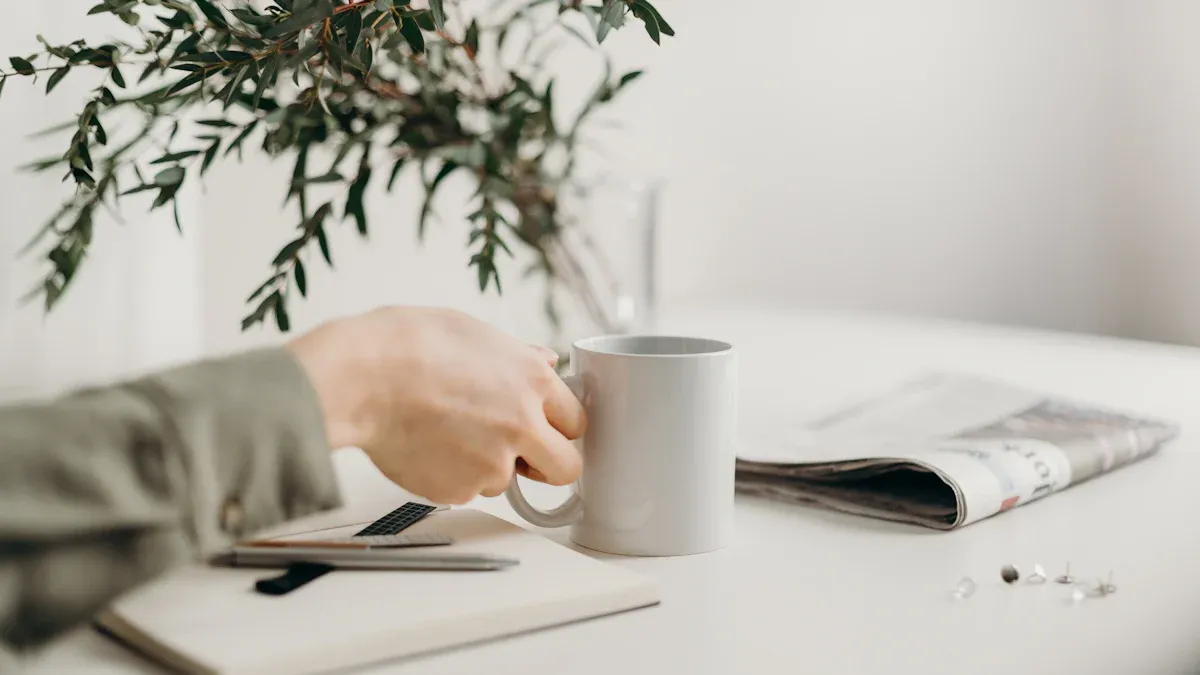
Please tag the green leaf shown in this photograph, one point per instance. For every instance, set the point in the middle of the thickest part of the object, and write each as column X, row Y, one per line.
column 662, row 23
column 2, row 81
column 140, row 188
column 485, row 272
column 217, row 122
column 289, row 251
column 427, row 208
column 106, row 97
column 237, row 142
column 212, row 13
column 424, row 19
column 612, row 17
column 438, row 10
column 22, row 66
column 310, row 50
column 301, row 278
column 324, row 244
column 413, row 36
column 354, row 26
column 209, row 156
column 472, row 38
column 171, row 176
column 354, row 199
column 281, row 317
column 188, row 46
column 53, row 292
column 234, row 88
column 56, row 77
column 117, row 78
column 176, row 156
column 150, row 70
column 395, row 172
column 333, row 177
column 301, row 19
column 266, row 79
column 234, row 56
column 263, row 288
column 629, row 77
column 650, row 22
column 187, row 82
column 338, row 56
column 101, row 135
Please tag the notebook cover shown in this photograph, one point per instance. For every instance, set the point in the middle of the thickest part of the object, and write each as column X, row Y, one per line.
column 204, row 619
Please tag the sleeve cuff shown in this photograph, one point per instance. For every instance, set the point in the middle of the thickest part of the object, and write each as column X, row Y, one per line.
column 252, row 435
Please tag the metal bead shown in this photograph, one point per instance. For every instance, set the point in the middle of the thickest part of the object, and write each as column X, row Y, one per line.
column 1010, row 574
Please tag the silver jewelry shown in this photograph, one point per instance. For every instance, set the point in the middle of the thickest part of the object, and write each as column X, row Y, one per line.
column 1066, row 577
column 1107, row 587
column 1010, row 574
column 964, row 589
column 1038, row 576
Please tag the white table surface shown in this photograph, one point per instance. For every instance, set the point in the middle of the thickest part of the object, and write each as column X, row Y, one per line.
column 807, row 591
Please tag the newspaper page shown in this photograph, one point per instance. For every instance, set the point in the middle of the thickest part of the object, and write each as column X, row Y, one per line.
column 946, row 450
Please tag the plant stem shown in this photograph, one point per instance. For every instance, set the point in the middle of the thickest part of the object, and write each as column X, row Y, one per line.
column 353, row 6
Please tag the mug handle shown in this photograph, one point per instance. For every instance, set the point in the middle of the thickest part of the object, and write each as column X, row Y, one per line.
column 563, row 515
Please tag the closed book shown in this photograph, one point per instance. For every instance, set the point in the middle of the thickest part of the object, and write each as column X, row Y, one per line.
column 208, row 618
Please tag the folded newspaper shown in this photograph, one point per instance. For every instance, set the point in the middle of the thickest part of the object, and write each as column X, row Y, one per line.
column 947, row 450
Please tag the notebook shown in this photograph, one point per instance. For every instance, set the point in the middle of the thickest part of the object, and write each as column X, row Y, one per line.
column 205, row 619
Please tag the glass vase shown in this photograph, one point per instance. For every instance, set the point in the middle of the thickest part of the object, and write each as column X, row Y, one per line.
column 606, row 259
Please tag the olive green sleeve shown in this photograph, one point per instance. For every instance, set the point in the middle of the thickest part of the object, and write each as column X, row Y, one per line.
column 107, row 487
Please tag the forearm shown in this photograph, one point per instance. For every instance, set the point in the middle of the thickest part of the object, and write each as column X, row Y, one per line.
column 106, row 488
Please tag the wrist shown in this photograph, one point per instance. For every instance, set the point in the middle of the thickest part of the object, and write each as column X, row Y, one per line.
column 340, row 386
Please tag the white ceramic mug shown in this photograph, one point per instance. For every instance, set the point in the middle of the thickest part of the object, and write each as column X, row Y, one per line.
column 659, row 451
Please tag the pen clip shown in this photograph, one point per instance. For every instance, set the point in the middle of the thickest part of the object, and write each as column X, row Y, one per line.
column 297, row 575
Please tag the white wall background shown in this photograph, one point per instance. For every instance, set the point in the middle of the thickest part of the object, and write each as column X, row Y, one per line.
column 1158, row 250
column 136, row 304
column 944, row 156
column 1026, row 162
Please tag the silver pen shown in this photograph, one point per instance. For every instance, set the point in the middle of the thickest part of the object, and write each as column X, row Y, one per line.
column 361, row 559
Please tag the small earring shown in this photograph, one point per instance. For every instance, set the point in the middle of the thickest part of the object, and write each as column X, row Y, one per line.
column 1107, row 587
column 1038, row 576
column 1066, row 578
column 1080, row 592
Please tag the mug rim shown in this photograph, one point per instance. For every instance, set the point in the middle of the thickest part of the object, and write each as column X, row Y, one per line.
column 721, row 347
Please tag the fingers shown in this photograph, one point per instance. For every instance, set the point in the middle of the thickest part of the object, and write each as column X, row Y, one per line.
column 550, row 356
column 552, row 458
column 563, row 411
column 529, row 472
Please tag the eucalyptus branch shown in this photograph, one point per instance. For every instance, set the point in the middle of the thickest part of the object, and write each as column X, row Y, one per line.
column 378, row 80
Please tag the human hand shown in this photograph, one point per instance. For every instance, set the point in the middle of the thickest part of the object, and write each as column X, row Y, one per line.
column 445, row 405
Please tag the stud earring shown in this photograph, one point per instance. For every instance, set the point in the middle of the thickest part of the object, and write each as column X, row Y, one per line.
column 1038, row 576
column 1066, row 577
column 1080, row 592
